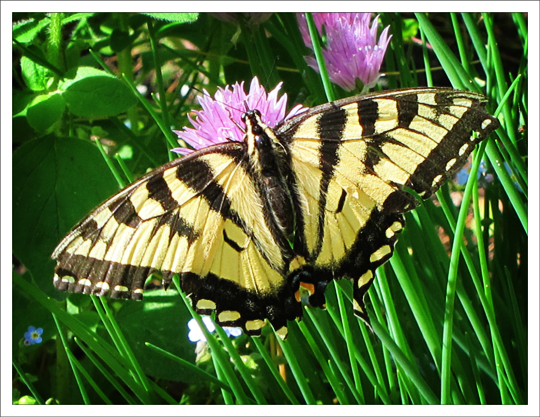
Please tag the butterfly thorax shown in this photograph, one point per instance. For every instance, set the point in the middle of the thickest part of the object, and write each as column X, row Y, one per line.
column 268, row 163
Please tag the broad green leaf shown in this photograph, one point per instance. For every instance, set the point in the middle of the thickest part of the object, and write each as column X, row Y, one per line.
column 35, row 76
column 45, row 111
column 93, row 93
column 50, row 194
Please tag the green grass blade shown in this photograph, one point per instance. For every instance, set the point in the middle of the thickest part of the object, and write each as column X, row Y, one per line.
column 27, row 382
column 114, row 382
column 222, row 363
column 297, row 371
column 121, row 344
column 73, row 363
column 328, row 88
column 349, row 340
column 328, row 370
column 452, row 67
column 404, row 362
column 240, row 365
column 271, row 366
column 87, row 376
column 193, row 369
column 96, row 343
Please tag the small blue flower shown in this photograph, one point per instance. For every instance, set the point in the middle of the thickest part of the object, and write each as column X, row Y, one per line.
column 33, row 336
column 196, row 334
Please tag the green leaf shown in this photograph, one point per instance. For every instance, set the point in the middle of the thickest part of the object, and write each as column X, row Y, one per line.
column 175, row 17
column 50, row 194
column 27, row 400
column 21, row 129
column 409, row 29
column 120, row 40
column 26, row 31
column 35, row 76
column 45, row 111
column 93, row 93
column 20, row 102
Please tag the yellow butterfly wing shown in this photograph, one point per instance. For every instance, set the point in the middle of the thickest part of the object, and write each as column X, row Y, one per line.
column 201, row 217
column 351, row 160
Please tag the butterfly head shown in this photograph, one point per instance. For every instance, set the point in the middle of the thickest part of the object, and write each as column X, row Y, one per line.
column 259, row 138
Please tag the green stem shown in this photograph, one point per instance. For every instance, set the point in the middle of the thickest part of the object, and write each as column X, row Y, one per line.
column 159, row 77
column 125, row 66
column 319, row 56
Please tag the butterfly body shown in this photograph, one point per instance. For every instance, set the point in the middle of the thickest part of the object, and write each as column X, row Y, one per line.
column 318, row 197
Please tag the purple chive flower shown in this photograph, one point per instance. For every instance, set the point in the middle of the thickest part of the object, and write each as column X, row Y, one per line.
column 197, row 335
column 220, row 119
column 351, row 50
column 33, row 336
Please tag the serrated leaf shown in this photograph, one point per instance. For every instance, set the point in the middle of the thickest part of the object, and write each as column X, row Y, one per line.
column 56, row 182
column 175, row 17
column 26, row 31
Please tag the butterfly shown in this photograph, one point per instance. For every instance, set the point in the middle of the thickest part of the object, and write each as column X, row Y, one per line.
column 246, row 224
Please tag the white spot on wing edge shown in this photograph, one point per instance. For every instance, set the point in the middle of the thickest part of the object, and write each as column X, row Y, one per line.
column 393, row 229
column 463, row 149
column 436, row 180
column 486, row 123
column 357, row 307
column 451, row 163
column 104, row 286
column 85, row 281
